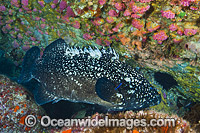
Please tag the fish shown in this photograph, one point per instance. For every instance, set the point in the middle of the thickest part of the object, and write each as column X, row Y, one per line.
column 88, row 75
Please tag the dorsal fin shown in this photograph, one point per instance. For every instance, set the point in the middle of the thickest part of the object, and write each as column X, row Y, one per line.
column 60, row 48
column 55, row 48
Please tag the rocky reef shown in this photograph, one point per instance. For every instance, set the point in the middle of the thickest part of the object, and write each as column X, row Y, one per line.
column 181, row 125
column 160, row 26
column 15, row 105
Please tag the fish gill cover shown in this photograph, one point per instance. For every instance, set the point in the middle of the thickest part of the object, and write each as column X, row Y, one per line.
column 86, row 75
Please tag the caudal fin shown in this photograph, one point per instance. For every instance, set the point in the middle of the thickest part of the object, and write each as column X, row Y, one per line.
column 29, row 64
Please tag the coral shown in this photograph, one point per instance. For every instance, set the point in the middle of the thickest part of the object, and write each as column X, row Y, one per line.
column 193, row 117
column 190, row 32
column 87, row 36
column 113, row 13
column 137, row 24
column 15, row 105
column 168, row 14
column 173, row 27
column 160, row 36
column 181, row 124
column 32, row 22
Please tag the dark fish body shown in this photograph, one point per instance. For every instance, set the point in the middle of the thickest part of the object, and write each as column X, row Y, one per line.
column 86, row 75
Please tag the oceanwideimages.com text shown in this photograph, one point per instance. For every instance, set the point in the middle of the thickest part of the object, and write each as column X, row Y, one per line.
column 46, row 121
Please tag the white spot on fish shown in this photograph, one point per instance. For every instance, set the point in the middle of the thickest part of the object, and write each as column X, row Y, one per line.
column 127, row 79
column 131, row 91
column 119, row 95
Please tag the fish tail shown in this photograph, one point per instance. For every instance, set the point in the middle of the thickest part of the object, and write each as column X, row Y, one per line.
column 28, row 64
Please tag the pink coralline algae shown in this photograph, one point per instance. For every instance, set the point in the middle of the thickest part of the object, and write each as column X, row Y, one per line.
column 4, row 30
column 127, row 12
column 185, row 2
column 98, row 21
column 102, row 2
column 180, row 32
column 135, row 16
column 53, row 6
column 20, row 10
column 70, row 12
column 115, row 29
column 25, row 2
column 41, row 3
column 137, row 24
column 2, row 8
column 11, row 12
column 135, row 8
column 19, row 36
column 76, row 24
column 113, row 13
column 15, row 44
column 107, row 42
column 55, row 1
column 144, row 1
column 168, row 14
column 98, row 41
column 140, row 10
column 37, row 18
column 43, row 20
column 190, row 32
column 160, row 36
column 62, row 5
column 33, row 38
column 87, row 36
column 16, row 29
column 119, row 6
column 173, row 27
column 193, row 8
column 110, row 19
column 35, row 10
column 42, row 26
column 15, row 3
column 40, row 31
column 8, row 27
column 9, row 21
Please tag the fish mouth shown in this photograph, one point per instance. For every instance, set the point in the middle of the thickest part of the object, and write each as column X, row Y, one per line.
column 137, row 107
